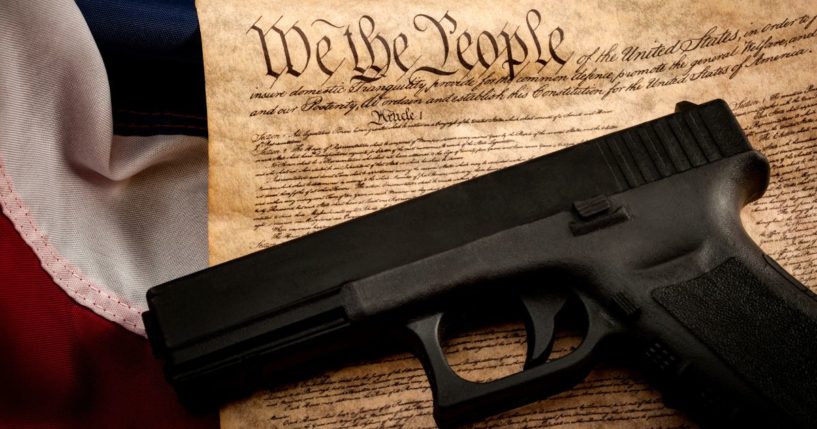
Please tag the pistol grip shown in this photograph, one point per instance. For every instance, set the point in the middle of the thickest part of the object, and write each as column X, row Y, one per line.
column 761, row 324
column 457, row 400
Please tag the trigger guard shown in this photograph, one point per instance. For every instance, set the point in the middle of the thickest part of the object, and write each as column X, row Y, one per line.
column 428, row 348
column 457, row 400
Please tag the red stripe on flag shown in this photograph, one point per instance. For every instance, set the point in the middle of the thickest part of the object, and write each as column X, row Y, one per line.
column 62, row 365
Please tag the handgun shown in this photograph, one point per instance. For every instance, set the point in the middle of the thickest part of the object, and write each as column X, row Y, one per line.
column 640, row 230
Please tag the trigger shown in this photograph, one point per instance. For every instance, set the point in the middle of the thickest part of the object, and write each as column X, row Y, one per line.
column 542, row 306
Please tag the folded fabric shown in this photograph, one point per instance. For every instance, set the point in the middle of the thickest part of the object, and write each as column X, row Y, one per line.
column 103, row 188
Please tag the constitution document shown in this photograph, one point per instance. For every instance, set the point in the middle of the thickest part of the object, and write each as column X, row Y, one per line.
column 322, row 111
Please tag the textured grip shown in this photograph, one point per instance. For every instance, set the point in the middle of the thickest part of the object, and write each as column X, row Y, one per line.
column 771, row 344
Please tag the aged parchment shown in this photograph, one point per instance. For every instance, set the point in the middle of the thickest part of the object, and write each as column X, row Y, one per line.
column 325, row 111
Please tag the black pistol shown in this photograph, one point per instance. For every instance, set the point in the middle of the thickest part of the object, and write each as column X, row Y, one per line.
column 640, row 229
